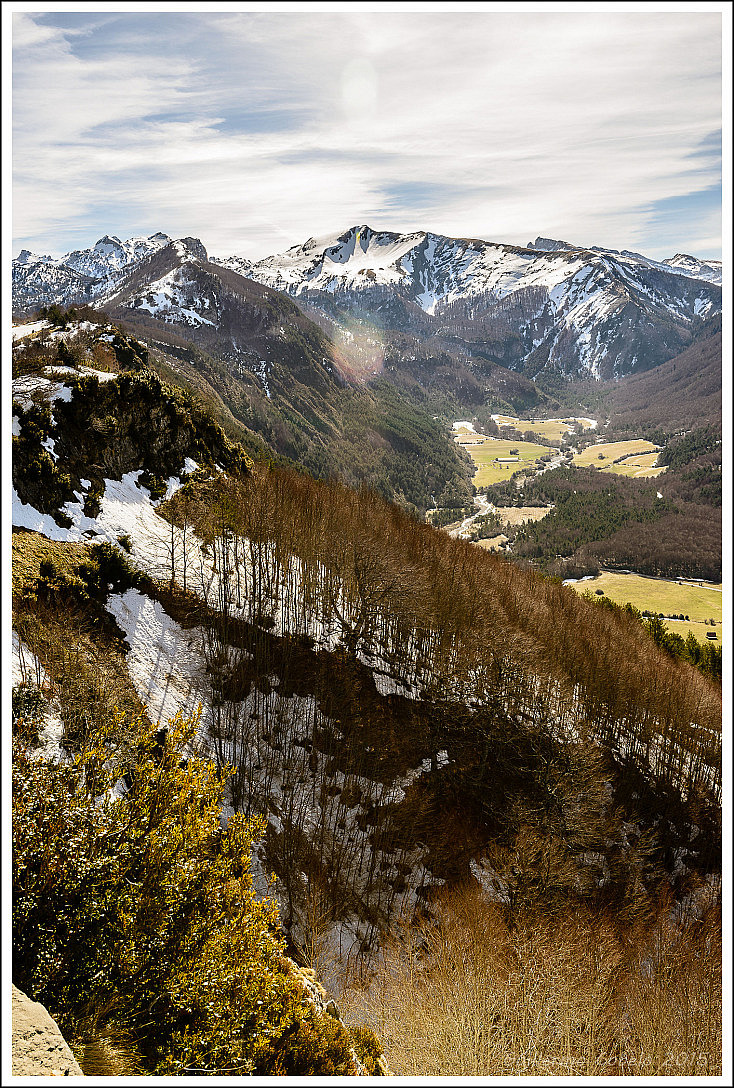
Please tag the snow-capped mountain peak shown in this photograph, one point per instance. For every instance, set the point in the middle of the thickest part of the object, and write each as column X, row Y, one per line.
column 190, row 249
column 686, row 265
column 574, row 309
column 109, row 255
column 323, row 263
column 550, row 245
column 167, row 285
column 25, row 257
column 82, row 274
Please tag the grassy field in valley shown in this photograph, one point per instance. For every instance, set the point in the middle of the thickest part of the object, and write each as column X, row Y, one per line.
column 639, row 457
column 699, row 601
column 552, row 429
column 516, row 515
column 638, row 466
column 485, row 455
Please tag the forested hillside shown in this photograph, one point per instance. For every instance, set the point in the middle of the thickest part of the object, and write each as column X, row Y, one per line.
column 680, row 394
column 404, row 719
column 683, row 393
column 669, row 526
column 291, row 410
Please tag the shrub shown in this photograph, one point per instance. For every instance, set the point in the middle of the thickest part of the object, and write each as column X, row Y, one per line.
column 369, row 1051
column 312, row 1043
column 70, row 354
column 155, row 484
column 29, row 705
column 56, row 315
column 93, row 500
column 577, row 994
column 136, row 908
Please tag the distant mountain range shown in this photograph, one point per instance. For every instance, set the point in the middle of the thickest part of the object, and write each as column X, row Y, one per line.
column 80, row 275
column 548, row 308
column 550, row 305
column 279, row 382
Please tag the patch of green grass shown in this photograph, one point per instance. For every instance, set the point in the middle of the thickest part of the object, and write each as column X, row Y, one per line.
column 638, row 466
column 699, row 602
column 551, row 429
column 484, row 456
column 516, row 515
column 602, row 455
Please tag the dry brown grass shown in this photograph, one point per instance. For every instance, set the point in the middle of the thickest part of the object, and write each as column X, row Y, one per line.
column 30, row 549
column 516, row 515
column 108, row 1053
column 570, row 995
column 85, row 672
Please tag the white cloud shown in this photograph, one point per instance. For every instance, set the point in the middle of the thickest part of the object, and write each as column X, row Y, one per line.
column 255, row 131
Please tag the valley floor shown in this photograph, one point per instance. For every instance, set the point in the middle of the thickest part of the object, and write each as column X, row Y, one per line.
column 700, row 602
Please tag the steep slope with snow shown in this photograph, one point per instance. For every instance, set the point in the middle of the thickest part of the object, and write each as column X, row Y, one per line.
column 549, row 307
column 682, row 264
column 110, row 448
column 110, row 255
column 572, row 310
column 169, row 285
column 395, row 702
column 686, row 265
column 40, row 281
column 78, row 276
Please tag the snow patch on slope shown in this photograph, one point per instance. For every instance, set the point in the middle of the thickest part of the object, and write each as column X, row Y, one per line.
column 165, row 662
column 175, row 298
column 21, row 331
column 25, row 668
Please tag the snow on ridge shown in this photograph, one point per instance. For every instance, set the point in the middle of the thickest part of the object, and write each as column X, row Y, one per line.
column 21, row 331
column 169, row 296
column 81, row 372
column 29, row 386
column 50, row 384
column 685, row 265
column 109, row 255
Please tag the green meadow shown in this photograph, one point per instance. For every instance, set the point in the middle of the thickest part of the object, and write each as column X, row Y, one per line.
column 485, row 456
column 698, row 601
column 639, row 457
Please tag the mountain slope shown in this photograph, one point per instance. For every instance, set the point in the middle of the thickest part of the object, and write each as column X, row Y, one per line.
column 549, row 307
column 683, row 393
column 78, row 276
column 283, row 379
column 682, row 264
column 568, row 309
column 692, row 266
column 397, row 704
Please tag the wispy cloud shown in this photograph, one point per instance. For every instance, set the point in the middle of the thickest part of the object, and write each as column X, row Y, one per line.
column 255, row 130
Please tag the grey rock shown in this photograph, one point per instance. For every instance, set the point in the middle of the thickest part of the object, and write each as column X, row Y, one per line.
column 38, row 1047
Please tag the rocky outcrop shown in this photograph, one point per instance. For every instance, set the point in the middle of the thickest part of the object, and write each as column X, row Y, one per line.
column 316, row 995
column 38, row 1047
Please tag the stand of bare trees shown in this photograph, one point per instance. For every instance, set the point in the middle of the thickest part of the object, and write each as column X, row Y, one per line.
column 349, row 647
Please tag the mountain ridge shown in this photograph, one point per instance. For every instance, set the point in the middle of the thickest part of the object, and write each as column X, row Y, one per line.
column 571, row 309
column 548, row 306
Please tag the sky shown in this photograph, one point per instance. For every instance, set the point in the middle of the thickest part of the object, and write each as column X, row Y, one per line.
column 257, row 129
